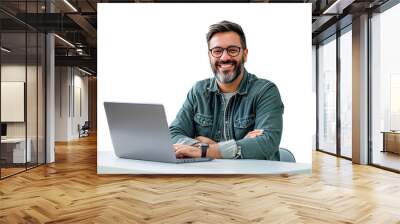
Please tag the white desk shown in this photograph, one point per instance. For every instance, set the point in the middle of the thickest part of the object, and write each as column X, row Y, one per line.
column 108, row 163
column 19, row 149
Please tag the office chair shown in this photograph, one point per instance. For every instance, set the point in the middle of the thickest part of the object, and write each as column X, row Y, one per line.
column 286, row 155
column 84, row 130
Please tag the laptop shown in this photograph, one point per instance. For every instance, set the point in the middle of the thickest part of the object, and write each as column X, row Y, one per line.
column 140, row 131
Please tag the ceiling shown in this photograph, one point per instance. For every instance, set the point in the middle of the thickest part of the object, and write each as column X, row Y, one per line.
column 76, row 22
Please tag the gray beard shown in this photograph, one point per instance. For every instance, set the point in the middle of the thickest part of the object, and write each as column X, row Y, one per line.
column 225, row 77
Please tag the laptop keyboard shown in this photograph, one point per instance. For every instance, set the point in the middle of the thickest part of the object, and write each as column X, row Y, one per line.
column 193, row 160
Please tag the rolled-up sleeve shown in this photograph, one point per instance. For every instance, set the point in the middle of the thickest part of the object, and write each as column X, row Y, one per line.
column 228, row 149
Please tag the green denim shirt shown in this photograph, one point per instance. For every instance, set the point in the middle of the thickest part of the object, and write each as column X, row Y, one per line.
column 257, row 105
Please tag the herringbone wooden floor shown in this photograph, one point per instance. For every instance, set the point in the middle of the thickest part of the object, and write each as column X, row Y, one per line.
column 70, row 191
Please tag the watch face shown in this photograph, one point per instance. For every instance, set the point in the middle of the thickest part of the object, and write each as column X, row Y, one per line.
column 203, row 145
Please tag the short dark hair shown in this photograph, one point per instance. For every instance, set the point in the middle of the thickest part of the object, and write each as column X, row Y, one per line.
column 227, row 26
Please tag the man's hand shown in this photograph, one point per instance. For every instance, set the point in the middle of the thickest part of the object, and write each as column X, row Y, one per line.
column 254, row 133
column 203, row 139
column 186, row 151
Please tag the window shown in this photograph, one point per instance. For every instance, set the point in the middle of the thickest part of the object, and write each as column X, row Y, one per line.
column 346, row 93
column 327, row 96
column 385, row 88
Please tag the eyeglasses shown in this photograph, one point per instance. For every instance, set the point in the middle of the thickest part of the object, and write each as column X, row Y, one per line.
column 217, row 52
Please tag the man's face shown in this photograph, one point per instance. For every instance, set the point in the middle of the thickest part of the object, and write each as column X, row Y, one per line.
column 227, row 68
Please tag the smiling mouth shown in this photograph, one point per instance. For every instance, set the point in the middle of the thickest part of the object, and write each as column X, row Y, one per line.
column 226, row 66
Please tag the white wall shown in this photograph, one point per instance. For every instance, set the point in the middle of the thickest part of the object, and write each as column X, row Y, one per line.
column 164, row 52
column 15, row 72
column 80, row 89
column 61, row 103
column 70, row 83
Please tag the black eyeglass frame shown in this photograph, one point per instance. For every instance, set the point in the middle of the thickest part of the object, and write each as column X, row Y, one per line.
column 227, row 51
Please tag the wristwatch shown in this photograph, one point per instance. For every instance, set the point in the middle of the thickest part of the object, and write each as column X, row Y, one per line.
column 203, row 147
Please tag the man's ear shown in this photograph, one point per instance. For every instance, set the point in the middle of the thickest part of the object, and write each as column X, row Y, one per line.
column 245, row 52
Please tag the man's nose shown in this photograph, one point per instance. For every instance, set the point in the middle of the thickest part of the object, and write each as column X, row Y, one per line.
column 225, row 56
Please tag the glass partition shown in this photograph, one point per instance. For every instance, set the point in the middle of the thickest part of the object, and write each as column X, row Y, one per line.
column 22, row 63
column 41, row 91
column 346, row 93
column 327, row 96
column 385, row 89
column 13, row 109
column 31, row 100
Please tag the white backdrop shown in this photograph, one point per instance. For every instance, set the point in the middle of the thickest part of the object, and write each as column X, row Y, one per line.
column 154, row 53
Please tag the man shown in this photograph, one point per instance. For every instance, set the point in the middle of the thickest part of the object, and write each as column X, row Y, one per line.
column 234, row 114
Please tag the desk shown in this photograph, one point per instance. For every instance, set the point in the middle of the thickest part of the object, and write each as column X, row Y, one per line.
column 108, row 163
column 17, row 150
column 391, row 141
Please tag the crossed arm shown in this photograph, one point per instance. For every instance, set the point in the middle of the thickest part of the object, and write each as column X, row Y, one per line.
column 256, row 145
column 194, row 151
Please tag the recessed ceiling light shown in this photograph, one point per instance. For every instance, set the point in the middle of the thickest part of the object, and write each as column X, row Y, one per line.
column 84, row 71
column 338, row 6
column 64, row 40
column 70, row 5
column 5, row 50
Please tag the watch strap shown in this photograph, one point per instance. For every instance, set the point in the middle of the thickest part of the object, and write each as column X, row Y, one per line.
column 204, row 148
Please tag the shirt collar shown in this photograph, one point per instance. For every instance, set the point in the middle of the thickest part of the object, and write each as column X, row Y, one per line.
column 242, row 89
